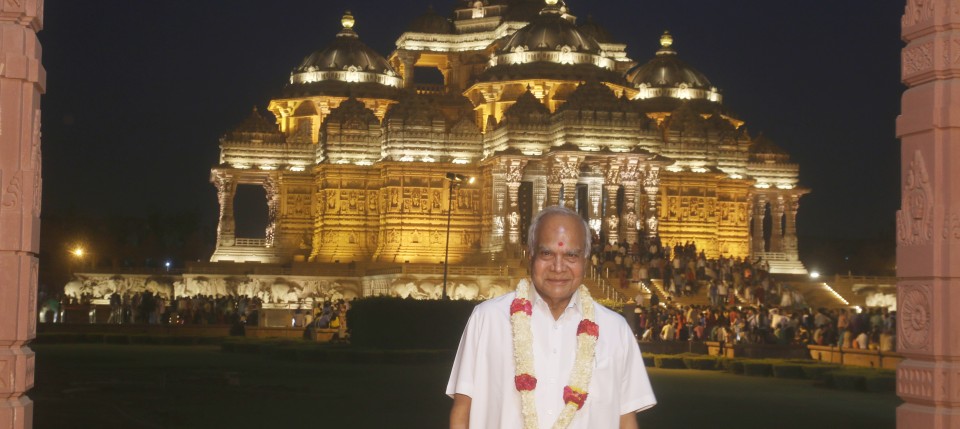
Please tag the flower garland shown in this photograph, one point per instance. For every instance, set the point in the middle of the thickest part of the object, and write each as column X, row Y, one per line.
column 574, row 393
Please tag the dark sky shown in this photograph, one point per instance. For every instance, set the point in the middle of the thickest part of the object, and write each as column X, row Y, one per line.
column 139, row 92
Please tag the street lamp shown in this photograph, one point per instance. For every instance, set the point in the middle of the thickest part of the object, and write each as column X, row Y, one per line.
column 455, row 181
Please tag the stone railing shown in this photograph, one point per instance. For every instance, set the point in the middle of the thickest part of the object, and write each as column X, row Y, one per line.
column 855, row 357
column 429, row 89
column 250, row 242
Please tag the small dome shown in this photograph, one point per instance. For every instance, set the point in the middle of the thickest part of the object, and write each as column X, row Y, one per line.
column 415, row 109
column 256, row 128
column 593, row 95
column 667, row 71
column 764, row 149
column 346, row 59
column 351, row 110
column 431, row 22
column 550, row 31
column 592, row 29
column 527, row 109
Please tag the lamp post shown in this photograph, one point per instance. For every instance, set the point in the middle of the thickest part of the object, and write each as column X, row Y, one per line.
column 455, row 181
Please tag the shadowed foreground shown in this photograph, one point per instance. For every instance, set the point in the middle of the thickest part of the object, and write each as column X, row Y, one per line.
column 132, row 386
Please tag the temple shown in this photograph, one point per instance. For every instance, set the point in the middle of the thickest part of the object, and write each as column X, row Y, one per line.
column 363, row 162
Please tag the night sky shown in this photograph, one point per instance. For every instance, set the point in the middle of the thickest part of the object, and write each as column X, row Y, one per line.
column 139, row 92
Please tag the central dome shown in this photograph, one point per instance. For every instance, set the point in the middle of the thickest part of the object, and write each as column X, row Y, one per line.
column 551, row 46
column 551, row 31
column 347, row 59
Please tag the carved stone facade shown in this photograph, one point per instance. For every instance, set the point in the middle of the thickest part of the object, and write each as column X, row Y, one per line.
column 641, row 150
column 22, row 80
column 928, row 243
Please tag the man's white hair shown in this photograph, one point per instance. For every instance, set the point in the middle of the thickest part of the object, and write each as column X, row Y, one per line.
column 533, row 238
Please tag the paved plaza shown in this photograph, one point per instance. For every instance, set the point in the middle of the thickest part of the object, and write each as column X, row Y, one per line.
column 133, row 386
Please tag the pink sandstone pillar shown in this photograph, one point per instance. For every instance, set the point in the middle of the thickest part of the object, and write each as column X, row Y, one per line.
column 928, row 222
column 22, row 80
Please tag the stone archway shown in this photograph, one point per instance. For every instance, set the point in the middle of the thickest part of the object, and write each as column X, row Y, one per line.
column 928, row 222
column 22, row 80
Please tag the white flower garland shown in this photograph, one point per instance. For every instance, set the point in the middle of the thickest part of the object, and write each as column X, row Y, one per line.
column 575, row 393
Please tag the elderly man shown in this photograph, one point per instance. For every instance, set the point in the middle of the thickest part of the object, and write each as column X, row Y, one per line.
column 546, row 355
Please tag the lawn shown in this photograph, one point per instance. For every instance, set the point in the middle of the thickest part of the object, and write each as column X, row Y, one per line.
column 136, row 386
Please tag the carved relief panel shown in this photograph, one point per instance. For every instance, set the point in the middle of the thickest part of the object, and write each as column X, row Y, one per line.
column 915, row 217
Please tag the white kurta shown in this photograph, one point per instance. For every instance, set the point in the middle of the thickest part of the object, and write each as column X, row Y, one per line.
column 484, row 367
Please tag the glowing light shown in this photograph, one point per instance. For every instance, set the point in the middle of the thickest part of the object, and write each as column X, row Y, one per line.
column 347, row 21
column 674, row 169
column 461, row 161
column 666, row 40
column 241, row 166
column 762, row 185
column 428, row 158
column 78, row 252
column 814, row 274
column 835, row 294
column 297, row 168
column 363, row 162
column 736, row 176
column 699, row 170
column 406, row 158
column 268, row 167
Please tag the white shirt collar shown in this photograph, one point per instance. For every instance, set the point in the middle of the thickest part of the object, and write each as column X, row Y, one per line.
column 574, row 303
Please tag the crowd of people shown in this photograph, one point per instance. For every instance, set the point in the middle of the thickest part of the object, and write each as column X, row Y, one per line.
column 746, row 303
column 873, row 329
column 237, row 311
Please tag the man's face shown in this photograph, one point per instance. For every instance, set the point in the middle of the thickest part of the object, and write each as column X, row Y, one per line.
column 557, row 265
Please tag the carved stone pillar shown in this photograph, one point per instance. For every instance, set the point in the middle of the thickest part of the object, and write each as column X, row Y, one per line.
column 553, row 194
column 790, row 233
column 22, row 80
column 453, row 73
column 759, row 213
column 564, row 173
column 611, row 220
column 540, row 192
column 611, row 185
column 226, row 190
column 628, row 220
column 569, row 194
column 272, row 188
column 595, row 212
column 776, row 230
column 928, row 222
column 407, row 61
column 629, row 175
column 499, row 189
column 514, row 174
column 651, row 186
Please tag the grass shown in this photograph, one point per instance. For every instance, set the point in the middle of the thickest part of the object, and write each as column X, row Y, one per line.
column 161, row 386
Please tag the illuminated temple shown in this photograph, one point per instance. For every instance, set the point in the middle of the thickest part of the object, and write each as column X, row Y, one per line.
column 356, row 154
